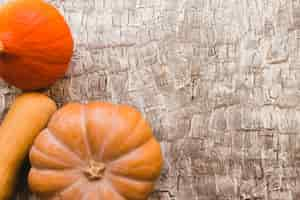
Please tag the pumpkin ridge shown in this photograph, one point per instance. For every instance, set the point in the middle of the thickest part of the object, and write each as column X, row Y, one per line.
column 74, row 184
column 71, row 171
column 128, row 136
column 34, row 171
column 132, row 167
column 84, row 132
column 109, row 184
column 48, row 136
column 87, row 193
column 128, row 180
column 131, row 151
column 60, row 162
column 102, row 149
column 66, row 147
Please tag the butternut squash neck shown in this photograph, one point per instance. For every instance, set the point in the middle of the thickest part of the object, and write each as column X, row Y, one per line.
column 1, row 47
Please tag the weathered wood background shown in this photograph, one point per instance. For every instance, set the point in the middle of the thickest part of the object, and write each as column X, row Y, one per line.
column 218, row 79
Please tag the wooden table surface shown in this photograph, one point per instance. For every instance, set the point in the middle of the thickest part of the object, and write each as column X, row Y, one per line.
column 218, row 80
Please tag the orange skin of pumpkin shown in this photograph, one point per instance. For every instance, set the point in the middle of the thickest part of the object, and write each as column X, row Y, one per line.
column 36, row 44
column 95, row 151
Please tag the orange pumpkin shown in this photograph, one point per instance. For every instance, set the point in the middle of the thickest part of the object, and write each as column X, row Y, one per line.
column 36, row 44
column 95, row 151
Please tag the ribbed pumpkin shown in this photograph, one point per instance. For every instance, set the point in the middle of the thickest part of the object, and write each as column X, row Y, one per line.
column 36, row 44
column 95, row 151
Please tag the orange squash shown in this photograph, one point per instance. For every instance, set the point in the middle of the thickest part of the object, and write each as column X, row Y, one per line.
column 95, row 151
column 27, row 116
column 36, row 44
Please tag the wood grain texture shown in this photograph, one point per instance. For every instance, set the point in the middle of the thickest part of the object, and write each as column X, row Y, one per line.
column 218, row 79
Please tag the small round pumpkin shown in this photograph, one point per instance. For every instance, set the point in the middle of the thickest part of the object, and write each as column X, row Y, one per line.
column 95, row 151
column 36, row 44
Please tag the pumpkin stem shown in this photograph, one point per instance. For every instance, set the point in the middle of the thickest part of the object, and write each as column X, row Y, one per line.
column 1, row 47
column 95, row 170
